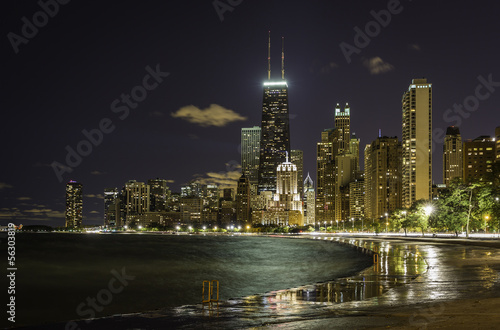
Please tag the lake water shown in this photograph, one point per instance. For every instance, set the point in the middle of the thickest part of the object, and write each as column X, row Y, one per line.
column 58, row 272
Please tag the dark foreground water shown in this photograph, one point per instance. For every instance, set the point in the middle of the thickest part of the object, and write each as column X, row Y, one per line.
column 59, row 275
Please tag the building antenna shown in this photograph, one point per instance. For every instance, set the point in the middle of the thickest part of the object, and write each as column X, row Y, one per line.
column 269, row 57
column 286, row 156
column 379, row 132
column 283, row 58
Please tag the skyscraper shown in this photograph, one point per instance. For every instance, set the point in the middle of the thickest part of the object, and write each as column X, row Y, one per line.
column 417, row 142
column 382, row 177
column 343, row 126
column 297, row 157
column 136, row 199
column 325, row 175
column 74, row 204
column 452, row 155
column 478, row 157
column 243, row 200
column 275, row 129
column 250, row 153
column 111, row 206
column 310, row 201
column 159, row 193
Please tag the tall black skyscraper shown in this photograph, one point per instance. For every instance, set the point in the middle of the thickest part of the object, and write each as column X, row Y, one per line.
column 275, row 128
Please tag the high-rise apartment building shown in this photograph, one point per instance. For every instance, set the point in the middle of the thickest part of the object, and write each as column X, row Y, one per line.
column 343, row 126
column 478, row 156
column 111, row 206
column 250, row 153
column 309, row 201
column 417, row 142
column 243, row 200
column 136, row 198
column 382, row 177
column 357, row 199
column 452, row 155
column 325, row 175
column 297, row 158
column 159, row 194
column 74, row 204
column 275, row 128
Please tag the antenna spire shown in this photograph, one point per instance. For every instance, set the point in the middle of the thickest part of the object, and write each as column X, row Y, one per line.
column 283, row 58
column 286, row 156
column 269, row 57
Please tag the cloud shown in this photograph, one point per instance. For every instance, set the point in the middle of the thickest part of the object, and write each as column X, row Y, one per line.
column 94, row 212
column 4, row 185
column 170, row 181
column 414, row 47
column 93, row 196
column 328, row 68
column 221, row 179
column 214, row 115
column 377, row 66
column 96, row 172
column 156, row 114
column 24, row 198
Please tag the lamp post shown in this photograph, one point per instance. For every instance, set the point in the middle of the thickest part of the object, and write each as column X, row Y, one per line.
column 427, row 210
column 343, row 225
column 325, row 226
column 337, row 225
column 352, row 224
column 468, row 216
column 404, row 212
column 386, row 220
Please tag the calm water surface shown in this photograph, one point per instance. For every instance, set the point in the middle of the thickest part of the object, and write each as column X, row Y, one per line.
column 58, row 272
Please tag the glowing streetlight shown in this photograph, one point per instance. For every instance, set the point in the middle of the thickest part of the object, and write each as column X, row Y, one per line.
column 428, row 210
column 178, row 228
column 125, row 227
column 215, row 228
column 204, row 227
column 140, row 227
column 190, row 228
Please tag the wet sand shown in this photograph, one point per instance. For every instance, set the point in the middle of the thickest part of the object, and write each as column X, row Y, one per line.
column 415, row 283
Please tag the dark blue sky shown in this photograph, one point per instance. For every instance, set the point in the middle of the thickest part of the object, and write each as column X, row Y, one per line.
column 65, row 79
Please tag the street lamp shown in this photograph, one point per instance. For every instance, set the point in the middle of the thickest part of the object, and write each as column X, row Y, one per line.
column 352, row 219
column 337, row 225
column 325, row 226
column 404, row 212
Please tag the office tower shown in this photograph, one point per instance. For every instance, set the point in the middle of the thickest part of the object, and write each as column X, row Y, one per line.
column 345, row 172
column 497, row 139
column 297, row 158
column 228, row 194
column 478, row 157
column 250, row 153
column 74, row 204
column 325, row 175
column 343, row 125
column 243, row 200
column 452, row 155
column 382, row 177
column 192, row 189
column 275, row 129
column 159, row 193
column 357, row 199
column 417, row 142
column 354, row 149
column 137, row 198
column 309, row 201
column 111, row 206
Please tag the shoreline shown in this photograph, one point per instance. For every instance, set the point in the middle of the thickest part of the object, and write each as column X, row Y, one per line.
column 432, row 294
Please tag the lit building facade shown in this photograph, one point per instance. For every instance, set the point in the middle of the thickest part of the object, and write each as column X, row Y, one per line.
column 297, row 158
column 275, row 127
column 111, row 207
column 250, row 153
column 452, row 155
column 357, row 199
column 309, row 201
column 417, row 142
column 497, row 141
column 159, row 194
column 382, row 177
column 478, row 156
column 243, row 200
column 136, row 200
column 325, row 175
column 74, row 204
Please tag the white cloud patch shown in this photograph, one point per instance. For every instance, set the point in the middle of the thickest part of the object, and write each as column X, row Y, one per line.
column 94, row 212
column 328, row 68
column 96, row 172
column 93, row 196
column 24, row 198
column 221, row 179
column 214, row 115
column 414, row 47
column 4, row 185
column 377, row 66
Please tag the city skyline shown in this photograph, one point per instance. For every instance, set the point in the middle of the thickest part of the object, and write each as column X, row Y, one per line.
column 188, row 126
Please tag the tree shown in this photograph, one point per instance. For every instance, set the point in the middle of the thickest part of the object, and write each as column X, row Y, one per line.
column 399, row 219
column 453, row 207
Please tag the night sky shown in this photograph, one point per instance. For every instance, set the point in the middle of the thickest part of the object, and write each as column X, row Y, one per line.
column 65, row 79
